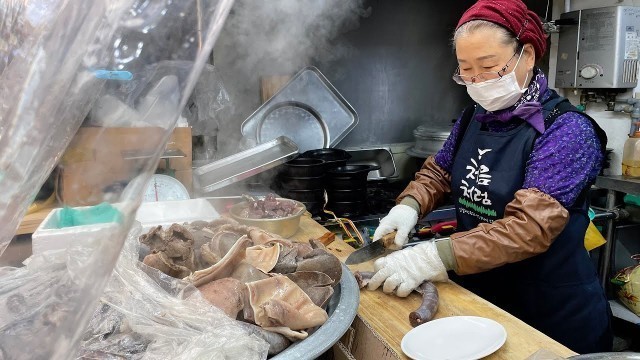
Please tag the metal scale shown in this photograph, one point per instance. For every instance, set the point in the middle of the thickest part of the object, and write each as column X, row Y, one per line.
column 163, row 185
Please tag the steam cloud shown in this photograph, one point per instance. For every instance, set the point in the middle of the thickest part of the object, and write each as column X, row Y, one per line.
column 277, row 37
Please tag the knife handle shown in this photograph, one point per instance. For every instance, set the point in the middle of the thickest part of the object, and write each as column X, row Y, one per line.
column 389, row 240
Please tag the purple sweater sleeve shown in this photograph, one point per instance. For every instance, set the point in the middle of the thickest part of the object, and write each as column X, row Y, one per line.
column 565, row 158
column 444, row 157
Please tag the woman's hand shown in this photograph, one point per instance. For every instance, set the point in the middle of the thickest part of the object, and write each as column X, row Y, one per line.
column 405, row 270
column 401, row 218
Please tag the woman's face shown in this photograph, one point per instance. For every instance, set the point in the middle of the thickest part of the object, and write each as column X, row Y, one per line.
column 483, row 51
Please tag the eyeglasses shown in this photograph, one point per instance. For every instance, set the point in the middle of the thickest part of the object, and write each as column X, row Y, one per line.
column 487, row 76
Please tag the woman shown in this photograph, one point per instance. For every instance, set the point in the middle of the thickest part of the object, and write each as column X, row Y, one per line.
column 518, row 166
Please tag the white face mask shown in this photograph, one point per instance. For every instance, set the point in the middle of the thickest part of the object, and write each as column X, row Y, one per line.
column 498, row 95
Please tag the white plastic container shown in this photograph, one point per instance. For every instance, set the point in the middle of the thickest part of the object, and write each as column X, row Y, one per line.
column 165, row 213
column 49, row 236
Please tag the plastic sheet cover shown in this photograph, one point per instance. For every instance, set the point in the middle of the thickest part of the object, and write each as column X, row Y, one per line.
column 112, row 63
column 144, row 314
column 210, row 104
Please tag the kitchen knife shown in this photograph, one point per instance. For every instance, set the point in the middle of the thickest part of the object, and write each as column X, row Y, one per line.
column 379, row 247
column 372, row 250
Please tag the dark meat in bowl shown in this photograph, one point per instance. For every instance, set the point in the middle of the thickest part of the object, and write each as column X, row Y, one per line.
column 269, row 208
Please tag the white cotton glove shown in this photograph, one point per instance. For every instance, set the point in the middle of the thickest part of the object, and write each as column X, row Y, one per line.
column 402, row 218
column 406, row 269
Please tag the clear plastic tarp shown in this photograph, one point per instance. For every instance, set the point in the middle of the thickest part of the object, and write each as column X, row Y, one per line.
column 145, row 314
column 123, row 68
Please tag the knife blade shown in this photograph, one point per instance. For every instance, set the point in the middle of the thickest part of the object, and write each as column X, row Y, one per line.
column 372, row 250
column 378, row 248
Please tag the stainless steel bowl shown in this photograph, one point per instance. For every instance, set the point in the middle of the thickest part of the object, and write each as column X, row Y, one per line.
column 342, row 309
column 285, row 226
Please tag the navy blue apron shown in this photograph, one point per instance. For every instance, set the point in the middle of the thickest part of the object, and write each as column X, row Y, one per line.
column 556, row 292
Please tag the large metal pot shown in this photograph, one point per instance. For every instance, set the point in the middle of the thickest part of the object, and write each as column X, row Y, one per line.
column 428, row 140
column 285, row 226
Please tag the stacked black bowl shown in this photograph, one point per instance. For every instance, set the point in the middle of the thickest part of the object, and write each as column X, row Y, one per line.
column 347, row 189
column 332, row 158
column 346, row 185
column 307, row 177
column 303, row 179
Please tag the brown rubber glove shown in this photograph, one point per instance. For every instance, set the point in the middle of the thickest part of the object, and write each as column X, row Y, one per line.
column 530, row 224
column 432, row 183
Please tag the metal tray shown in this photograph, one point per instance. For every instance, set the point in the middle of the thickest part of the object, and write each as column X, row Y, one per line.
column 308, row 110
column 378, row 156
column 342, row 309
column 244, row 164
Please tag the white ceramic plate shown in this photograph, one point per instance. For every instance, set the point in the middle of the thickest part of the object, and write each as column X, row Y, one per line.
column 454, row 338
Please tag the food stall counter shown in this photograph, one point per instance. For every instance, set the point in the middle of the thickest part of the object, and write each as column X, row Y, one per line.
column 383, row 320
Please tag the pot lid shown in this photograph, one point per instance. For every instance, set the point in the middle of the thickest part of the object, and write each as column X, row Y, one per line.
column 432, row 131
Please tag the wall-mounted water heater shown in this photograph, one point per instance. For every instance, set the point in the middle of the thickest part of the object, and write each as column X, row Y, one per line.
column 599, row 48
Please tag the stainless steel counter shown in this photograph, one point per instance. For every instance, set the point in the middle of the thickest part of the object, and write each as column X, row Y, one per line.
column 613, row 184
column 619, row 183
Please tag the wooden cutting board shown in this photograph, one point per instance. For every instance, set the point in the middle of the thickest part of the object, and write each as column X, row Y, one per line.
column 388, row 315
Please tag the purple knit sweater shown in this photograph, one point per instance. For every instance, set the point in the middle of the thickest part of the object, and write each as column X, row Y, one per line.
column 565, row 158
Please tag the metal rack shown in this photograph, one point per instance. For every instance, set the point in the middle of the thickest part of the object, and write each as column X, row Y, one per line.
column 614, row 184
